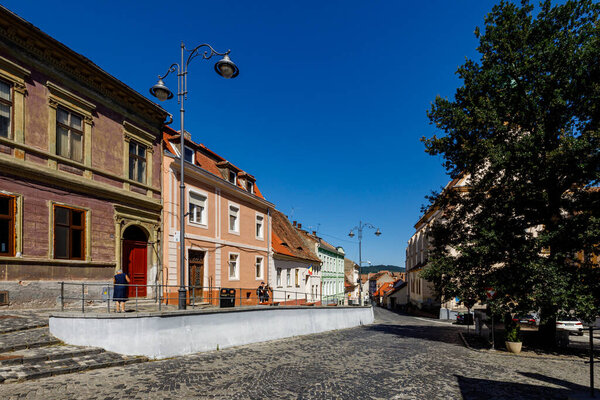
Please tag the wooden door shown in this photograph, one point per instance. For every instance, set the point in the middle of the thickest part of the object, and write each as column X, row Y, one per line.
column 196, row 261
column 135, row 264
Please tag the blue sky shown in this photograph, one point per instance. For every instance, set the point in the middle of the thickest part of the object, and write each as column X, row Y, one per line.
column 329, row 106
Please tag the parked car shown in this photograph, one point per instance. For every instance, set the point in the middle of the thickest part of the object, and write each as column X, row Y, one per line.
column 571, row 324
column 464, row 318
column 528, row 319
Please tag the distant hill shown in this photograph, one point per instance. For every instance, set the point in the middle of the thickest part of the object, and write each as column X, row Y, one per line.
column 377, row 268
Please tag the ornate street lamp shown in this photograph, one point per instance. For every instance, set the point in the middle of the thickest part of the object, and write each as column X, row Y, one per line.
column 227, row 69
column 359, row 230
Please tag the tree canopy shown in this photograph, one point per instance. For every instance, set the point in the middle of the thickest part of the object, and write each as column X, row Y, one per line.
column 524, row 129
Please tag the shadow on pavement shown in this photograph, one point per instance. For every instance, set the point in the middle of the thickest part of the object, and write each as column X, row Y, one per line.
column 445, row 334
column 475, row 389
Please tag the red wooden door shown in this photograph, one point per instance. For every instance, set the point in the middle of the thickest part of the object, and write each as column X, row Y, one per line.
column 135, row 265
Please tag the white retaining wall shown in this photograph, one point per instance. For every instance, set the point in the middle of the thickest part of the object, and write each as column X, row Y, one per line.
column 174, row 334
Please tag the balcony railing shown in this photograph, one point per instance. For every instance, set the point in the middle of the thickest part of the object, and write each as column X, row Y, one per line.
column 98, row 297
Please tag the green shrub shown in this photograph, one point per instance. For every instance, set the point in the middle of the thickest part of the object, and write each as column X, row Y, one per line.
column 513, row 333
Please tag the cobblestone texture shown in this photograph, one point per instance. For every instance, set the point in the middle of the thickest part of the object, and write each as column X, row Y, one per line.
column 26, row 339
column 16, row 322
column 399, row 357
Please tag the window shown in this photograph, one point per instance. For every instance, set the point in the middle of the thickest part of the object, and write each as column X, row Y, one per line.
column 69, row 134
column 297, row 277
column 233, row 266
column 5, row 109
column 197, row 208
column 189, row 155
column 288, row 276
column 279, row 277
column 137, row 162
column 234, row 219
column 259, row 226
column 7, row 225
column 69, row 228
column 232, row 177
column 250, row 186
column 259, row 267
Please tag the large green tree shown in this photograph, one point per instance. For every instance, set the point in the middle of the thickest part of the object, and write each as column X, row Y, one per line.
column 524, row 129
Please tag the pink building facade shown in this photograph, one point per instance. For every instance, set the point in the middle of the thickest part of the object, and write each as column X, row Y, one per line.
column 228, row 226
column 80, row 180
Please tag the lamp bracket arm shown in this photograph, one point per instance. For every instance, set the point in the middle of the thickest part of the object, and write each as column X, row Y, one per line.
column 173, row 68
column 206, row 55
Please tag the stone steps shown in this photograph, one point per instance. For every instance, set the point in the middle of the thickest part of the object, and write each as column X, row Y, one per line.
column 30, row 352
column 41, row 354
column 64, row 365
column 26, row 339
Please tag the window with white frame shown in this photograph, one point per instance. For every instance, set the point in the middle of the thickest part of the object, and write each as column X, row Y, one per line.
column 250, row 186
column 279, row 277
column 297, row 277
column 234, row 219
column 234, row 269
column 189, row 155
column 197, row 208
column 259, row 267
column 232, row 177
column 260, row 226
column 288, row 277
column 5, row 109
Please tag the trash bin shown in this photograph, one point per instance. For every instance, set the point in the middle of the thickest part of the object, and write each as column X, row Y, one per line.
column 227, row 298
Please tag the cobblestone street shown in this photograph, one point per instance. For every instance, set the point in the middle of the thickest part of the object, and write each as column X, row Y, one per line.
column 398, row 357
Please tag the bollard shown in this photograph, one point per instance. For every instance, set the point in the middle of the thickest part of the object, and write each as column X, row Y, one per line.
column 592, row 361
column 62, row 296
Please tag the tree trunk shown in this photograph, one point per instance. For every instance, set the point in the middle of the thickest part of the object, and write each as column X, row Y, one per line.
column 547, row 328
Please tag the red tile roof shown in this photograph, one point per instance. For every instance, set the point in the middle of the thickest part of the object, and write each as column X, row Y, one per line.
column 286, row 240
column 207, row 159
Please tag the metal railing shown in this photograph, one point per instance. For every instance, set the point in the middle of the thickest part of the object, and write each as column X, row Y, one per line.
column 98, row 297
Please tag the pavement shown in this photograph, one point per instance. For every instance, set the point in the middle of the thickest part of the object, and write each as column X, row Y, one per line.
column 398, row 357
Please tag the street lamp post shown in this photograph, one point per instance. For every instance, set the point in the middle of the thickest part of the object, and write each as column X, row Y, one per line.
column 227, row 69
column 359, row 230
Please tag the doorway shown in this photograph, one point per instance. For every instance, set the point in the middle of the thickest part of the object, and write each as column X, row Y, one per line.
column 135, row 259
column 196, row 262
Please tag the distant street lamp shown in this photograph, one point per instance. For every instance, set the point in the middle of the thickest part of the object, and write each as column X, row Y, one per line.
column 227, row 69
column 359, row 230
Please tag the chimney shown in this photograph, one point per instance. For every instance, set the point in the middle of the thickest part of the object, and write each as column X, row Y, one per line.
column 314, row 233
column 294, row 223
column 299, row 226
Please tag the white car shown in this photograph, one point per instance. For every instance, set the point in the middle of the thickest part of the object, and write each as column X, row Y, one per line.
column 571, row 324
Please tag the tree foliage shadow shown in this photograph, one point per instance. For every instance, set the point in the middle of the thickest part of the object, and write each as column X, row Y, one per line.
column 444, row 334
column 476, row 389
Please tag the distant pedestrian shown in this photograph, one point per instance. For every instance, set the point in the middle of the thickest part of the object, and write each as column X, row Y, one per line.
column 260, row 292
column 120, row 293
column 266, row 293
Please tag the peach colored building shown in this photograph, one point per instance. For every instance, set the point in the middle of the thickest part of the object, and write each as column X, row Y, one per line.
column 228, row 226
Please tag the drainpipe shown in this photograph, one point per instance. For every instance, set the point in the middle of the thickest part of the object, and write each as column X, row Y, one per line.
column 268, row 267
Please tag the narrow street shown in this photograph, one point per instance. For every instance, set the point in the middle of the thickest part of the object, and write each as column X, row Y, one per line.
column 398, row 357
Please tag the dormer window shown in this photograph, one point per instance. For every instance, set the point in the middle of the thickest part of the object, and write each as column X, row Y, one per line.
column 232, row 177
column 189, row 155
column 250, row 186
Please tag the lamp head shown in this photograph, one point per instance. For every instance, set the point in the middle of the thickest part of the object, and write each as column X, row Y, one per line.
column 160, row 91
column 226, row 68
column 377, row 232
column 351, row 234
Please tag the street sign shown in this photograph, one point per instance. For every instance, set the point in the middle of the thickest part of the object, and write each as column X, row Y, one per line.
column 490, row 292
